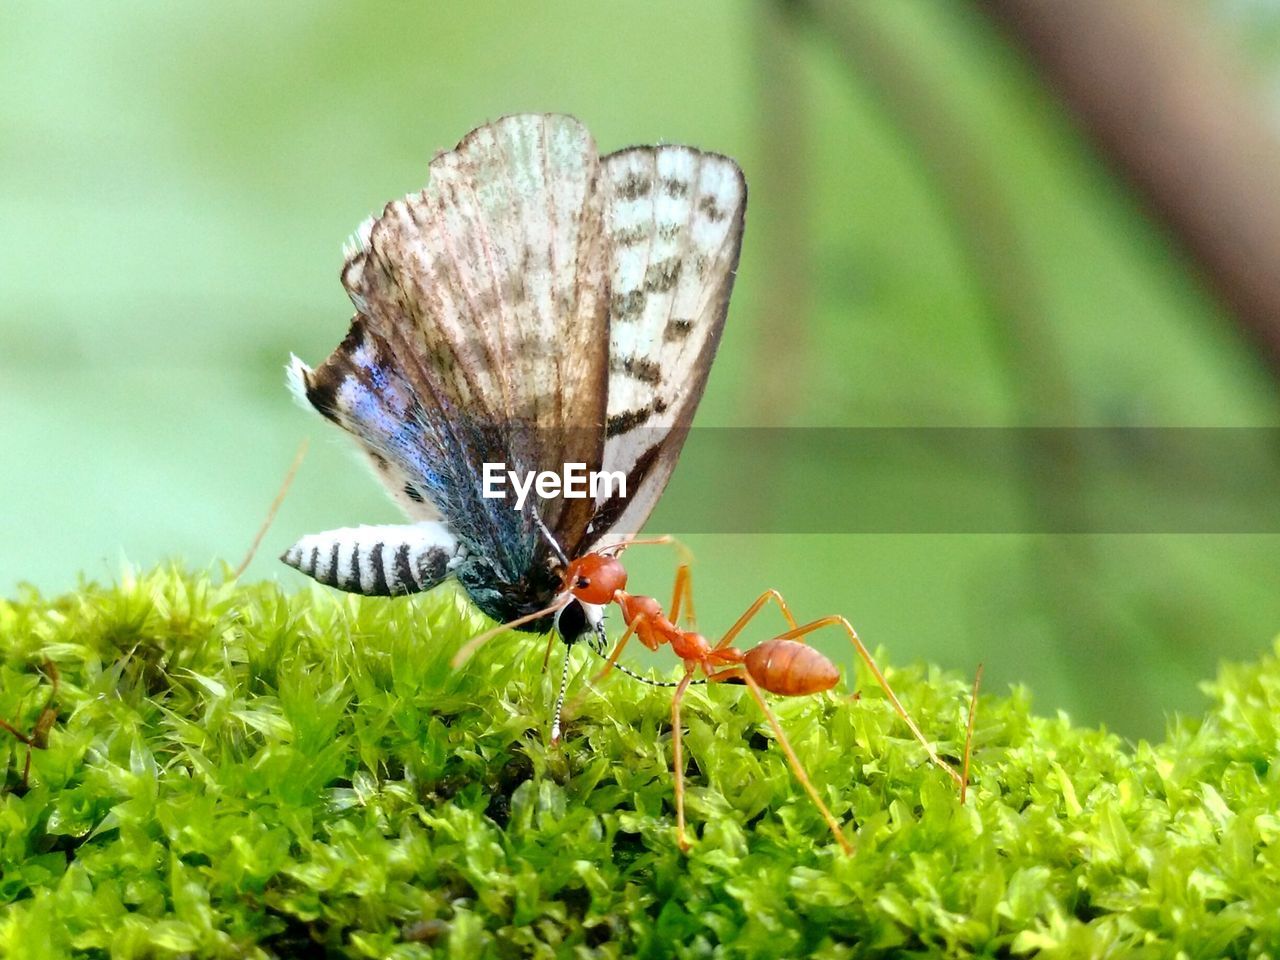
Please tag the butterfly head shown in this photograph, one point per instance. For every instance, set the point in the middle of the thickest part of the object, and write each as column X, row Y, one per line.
column 582, row 621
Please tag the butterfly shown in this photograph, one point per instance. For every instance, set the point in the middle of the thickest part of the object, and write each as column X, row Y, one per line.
column 535, row 305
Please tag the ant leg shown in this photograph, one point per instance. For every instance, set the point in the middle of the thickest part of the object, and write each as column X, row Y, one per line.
column 677, row 756
column 686, row 562
column 968, row 734
column 546, row 654
column 863, row 652
column 797, row 768
column 682, row 594
column 754, row 609
column 686, row 555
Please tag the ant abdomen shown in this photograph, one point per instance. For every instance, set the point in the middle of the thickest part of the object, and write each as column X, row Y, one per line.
column 790, row 668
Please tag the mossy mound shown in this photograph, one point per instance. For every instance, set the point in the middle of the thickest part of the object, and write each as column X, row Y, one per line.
column 235, row 772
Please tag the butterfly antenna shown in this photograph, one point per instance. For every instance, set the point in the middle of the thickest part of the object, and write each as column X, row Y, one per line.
column 652, row 682
column 551, row 540
column 643, row 679
column 564, row 686
column 475, row 643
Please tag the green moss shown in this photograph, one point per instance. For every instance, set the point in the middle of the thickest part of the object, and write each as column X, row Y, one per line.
column 239, row 773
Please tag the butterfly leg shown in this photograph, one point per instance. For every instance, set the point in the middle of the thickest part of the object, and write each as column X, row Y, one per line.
column 546, row 654
column 797, row 633
column 612, row 660
column 475, row 643
column 739, row 674
column 274, row 508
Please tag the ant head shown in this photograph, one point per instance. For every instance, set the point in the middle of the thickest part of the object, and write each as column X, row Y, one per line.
column 595, row 578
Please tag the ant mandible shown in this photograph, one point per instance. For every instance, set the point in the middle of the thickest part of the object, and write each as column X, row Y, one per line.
column 782, row 665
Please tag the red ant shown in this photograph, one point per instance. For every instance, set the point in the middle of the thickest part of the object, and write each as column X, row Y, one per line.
column 782, row 665
column 38, row 739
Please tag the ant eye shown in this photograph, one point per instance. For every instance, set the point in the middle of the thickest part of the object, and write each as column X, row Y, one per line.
column 582, row 583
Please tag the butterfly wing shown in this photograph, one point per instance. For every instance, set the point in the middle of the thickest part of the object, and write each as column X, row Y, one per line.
column 489, row 290
column 481, row 333
column 674, row 217
column 533, row 306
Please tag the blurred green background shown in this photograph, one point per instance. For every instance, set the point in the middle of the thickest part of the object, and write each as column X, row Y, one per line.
column 176, row 181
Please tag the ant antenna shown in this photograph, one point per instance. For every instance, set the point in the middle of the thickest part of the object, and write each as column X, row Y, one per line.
column 550, row 539
column 275, row 506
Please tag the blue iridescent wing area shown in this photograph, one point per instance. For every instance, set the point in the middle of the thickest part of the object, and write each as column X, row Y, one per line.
column 360, row 388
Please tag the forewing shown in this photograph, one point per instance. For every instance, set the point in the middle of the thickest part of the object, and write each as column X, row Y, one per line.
column 674, row 217
column 489, row 290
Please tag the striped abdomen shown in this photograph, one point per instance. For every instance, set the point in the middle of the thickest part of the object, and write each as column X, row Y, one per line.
column 790, row 668
column 377, row 561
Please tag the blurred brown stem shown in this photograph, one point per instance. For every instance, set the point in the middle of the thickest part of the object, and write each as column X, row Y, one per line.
column 1161, row 103
column 932, row 123
column 785, row 307
column 968, row 192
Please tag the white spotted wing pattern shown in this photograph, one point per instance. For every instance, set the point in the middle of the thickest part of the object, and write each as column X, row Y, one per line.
column 675, row 218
